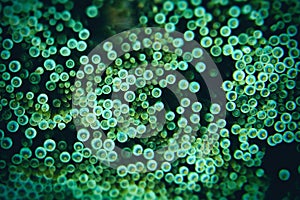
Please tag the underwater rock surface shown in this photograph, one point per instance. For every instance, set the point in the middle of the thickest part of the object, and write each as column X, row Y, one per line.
column 176, row 99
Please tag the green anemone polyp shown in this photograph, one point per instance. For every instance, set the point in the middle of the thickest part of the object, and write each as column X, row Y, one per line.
column 284, row 174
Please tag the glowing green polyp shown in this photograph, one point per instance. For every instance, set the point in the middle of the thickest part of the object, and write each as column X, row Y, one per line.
column 64, row 157
column 237, row 54
column 16, row 82
column 160, row 18
column 84, row 34
column 19, row 111
column 5, row 54
column 50, row 86
column 277, row 138
column 242, row 38
column 206, row 42
column 225, row 31
column 40, row 152
column 284, row 174
column 189, row 35
column 233, row 23
column 12, row 126
column 249, row 90
column 6, row 143
column 288, row 137
column 216, row 51
column 92, row 11
column 290, row 105
column 49, row 145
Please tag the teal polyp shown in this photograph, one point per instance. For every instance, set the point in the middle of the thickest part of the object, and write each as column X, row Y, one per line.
column 297, row 136
column 25, row 152
column 250, row 79
column 238, row 75
column 92, row 11
column 274, row 40
column 264, row 58
column 234, row 11
column 65, row 157
column 194, row 87
column 50, row 85
column 277, row 138
column 237, row 54
column 233, row 40
column 49, row 64
column 6, row 143
column 16, row 82
column 19, row 111
column 216, row 51
column 262, row 134
column 292, row 30
column 77, row 157
column 291, row 74
column 218, row 41
column 160, row 18
column 225, row 31
column 192, row 25
column 243, row 38
column 16, row 159
column 290, row 105
column 49, row 145
column 170, row 27
column 5, row 54
column 72, row 43
column 7, row 44
column 34, row 78
column 284, row 174
column 286, row 117
column 189, row 35
column 284, row 38
column 288, row 137
column 258, row 34
column 168, row 6
column 12, row 126
column 65, row 51
column 81, row 46
column 233, row 23
column 277, row 52
column 227, row 50
column 34, row 51
column 30, row 133
column 227, row 85
column 249, row 90
column 14, row 66
column 84, row 34
column 294, row 52
column 206, row 42
column 231, row 95
column 40, row 152
column 143, row 19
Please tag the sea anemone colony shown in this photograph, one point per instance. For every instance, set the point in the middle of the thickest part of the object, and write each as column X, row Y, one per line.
column 91, row 112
